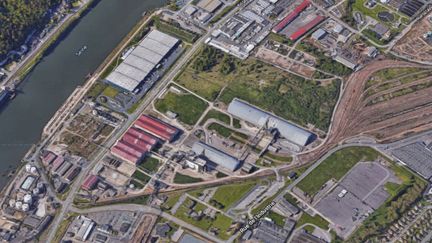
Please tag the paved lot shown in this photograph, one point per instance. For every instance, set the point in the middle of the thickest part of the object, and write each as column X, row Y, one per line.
column 365, row 193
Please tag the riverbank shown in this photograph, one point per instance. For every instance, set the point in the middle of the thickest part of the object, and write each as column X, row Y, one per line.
column 36, row 56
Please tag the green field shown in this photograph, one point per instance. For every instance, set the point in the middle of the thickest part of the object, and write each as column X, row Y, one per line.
column 175, row 30
column 228, row 195
column 150, row 165
column 141, row 177
column 110, row 92
column 335, row 166
column 214, row 114
column 226, row 132
column 185, row 179
column 278, row 219
column 315, row 220
column 188, row 107
column 303, row 101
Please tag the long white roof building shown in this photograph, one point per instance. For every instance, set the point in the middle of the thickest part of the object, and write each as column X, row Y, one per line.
column 261, row 118
column 142, row 60
column 214, row 155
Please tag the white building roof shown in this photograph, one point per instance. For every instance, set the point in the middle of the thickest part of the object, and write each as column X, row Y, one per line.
column 142, row 60
column 216, row 156
column 261, row 118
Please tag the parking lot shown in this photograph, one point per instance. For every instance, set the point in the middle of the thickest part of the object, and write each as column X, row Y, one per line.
column 359, row 193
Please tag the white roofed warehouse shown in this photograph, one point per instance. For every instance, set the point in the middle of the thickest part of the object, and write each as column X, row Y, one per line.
column 142, row 60
column 216, row 156
column 260, row 118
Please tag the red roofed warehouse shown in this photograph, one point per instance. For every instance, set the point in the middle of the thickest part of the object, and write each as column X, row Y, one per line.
column 134, row 145
column 90, row 182
column 291, row 16
column 305, row 28
column 157, row 127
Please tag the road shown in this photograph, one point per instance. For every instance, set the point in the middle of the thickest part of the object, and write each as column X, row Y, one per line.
column 150, row 96
column 148, row 210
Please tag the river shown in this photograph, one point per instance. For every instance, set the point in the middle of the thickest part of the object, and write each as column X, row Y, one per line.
column 53, row 79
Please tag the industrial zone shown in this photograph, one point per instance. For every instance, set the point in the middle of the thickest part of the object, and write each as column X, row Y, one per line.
column 242, row 121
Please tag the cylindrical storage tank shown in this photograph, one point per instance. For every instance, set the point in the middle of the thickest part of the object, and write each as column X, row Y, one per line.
column 28, row 167
column 28, row 199
column 33, row 170
column 36, row 191
column 40, row 185
column 12, row 203
column 25, row 207
column 18, row 205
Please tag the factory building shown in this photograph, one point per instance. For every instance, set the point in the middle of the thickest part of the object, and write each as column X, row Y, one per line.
column 157, row 127
column 210, row 5
column 134, row 145
column 90, row 182
column 291, row 16
column 216, row 156
column 305, row 28
column 144, row 58
column 261, row 118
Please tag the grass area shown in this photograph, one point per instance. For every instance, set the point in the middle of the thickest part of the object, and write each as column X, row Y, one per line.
column 185, row 179
column 359, row 5
column 315, row 220
column 390, row 73
column 96, row 89
column 220, row 221
column 214, row 76
column 141, row 176
column 62, row 228
column 335, row 166
column 137, row 184
column 309, row 228
column 110, row 91
column 280, row 38
column 175, row 30
column 214, row 114
column 277, row 218
column 171, row 201
column 188, row 107
column 228, row 195
column 236, row 123
column 226, row 132
column 277, row 158
column 150, row 165
column 220, row 175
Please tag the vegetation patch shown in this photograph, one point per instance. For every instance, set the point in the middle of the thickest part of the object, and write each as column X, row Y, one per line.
column 315, row 220
column 225, row 196
column 150, row 165
column 335, row 166
column 278, row 219
column 214, row 114
column 110, row 91
column 214, row 76
column 175, row 30
column 141, row 176
column 185, row 179
column 226, row 132
column 188, row 107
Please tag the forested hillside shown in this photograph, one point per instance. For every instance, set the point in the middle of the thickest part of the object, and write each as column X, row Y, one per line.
column 18, row 18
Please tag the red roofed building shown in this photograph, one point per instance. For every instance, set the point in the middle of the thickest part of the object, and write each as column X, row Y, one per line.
column 122, row 154
column 57, row 163
column 142, row 136
column 90, row 182
column 157, row 127
column 48, row 158
column 291, row 16
column 305, row 28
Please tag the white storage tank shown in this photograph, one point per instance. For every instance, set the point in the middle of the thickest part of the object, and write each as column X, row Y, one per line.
column 12, row 202
column 36, row 191
column 18, row 205
column 28, row 199
column 25, row 207
column 33, row 170
column 28, row 167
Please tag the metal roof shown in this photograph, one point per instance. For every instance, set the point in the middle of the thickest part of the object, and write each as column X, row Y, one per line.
column 142, row 60
column 216, row 156
column 261, row 118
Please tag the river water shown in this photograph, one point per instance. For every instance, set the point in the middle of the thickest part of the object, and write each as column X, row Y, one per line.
column 46, row 88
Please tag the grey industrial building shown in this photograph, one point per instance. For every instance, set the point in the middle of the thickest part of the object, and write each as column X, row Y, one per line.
column 144, row 58
column 216, row 156
column 269, row 232
column 417, row 156
column 261, row 118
